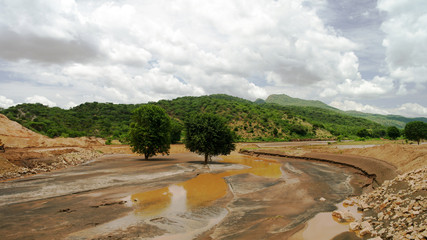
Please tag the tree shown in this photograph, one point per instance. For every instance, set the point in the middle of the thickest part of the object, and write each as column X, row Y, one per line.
column 176, row 129
column 393, row 132
column 298, row 129
column 208, row 135
column 363, row 133
column 416, row 131
column 149, row 132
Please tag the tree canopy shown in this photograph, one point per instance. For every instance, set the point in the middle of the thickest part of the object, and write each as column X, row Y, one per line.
column 416, row 131
column 393, row 132
column 150, row 131
column 208, row 135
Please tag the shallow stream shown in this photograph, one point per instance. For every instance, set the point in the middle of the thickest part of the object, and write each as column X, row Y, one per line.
column 199, row 199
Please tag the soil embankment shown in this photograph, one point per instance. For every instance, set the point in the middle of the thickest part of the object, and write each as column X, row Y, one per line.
column 406, row 157
column 27, row 152
column 14, row 135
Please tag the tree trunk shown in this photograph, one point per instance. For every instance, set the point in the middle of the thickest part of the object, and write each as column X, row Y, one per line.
column 206, row 158
column 146, row 156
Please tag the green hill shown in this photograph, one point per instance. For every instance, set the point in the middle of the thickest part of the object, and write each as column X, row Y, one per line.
column 385, row 120
column 285, row 100
column 250, row 121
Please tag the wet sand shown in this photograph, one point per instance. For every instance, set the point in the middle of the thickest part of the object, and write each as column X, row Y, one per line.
column 174, row 197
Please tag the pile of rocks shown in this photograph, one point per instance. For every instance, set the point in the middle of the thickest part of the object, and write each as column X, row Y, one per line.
column 76, row 158
column 51, row 163
column 396, row 210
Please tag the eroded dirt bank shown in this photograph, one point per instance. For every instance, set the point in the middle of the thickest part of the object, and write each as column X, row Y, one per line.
column 396, row 209
column 97, row 200
column 377, row 170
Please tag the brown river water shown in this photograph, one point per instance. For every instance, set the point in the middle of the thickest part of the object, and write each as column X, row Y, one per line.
column 235, row 197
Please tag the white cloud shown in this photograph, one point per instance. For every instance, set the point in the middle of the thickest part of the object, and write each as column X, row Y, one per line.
column 412, row 109
column 5, row 102
column 363, row 88
column 405, row 41
column 347, row 105
column 407, row 109
column 70, row 104
column 40, row 99
column 193, row 47
column 136, row 51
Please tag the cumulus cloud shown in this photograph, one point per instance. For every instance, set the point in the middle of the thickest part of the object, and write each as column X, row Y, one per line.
column 348, row 105
column 132, row 51
column 5, row 102
column 364, row 88
column 137, row 51
column 407, row 109
column 405, row 40
column 40, row 99
column 412, row 109
column 47, row 31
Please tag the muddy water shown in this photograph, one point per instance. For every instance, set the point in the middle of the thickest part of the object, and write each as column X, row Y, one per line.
column 174, row 197
column 324, row 226
column 201, row 190
column 199, row 199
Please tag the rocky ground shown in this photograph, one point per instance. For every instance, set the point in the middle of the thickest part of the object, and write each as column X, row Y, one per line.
column 16, row 163
column 396, row 210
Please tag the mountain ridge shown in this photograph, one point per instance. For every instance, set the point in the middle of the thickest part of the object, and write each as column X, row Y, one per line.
column 386, row 120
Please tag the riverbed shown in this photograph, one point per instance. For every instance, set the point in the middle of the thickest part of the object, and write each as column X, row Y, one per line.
column 175, row 197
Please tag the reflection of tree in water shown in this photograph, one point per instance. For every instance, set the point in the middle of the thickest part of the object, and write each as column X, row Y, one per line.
column 202, row 190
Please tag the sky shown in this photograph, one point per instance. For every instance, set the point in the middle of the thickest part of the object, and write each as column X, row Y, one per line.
column 363, row 55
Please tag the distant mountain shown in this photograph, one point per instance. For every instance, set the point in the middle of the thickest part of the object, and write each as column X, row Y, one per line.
column 385, row 120
column 285, row 100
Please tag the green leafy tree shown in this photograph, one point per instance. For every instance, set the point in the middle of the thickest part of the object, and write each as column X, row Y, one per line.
column 149, row 132
column 176, row 130
column 416, row 131
column 363, row 133
column 393, row 132
column 208, row 135
column 298, row 129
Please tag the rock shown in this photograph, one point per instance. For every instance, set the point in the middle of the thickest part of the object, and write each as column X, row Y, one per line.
column 365, row 231
column 354, row 226
column 348, row 203
column 400, row 213
column 322, row 199
column 343, row 216
column 375, row 238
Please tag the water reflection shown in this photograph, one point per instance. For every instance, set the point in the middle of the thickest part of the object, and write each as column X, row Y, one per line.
column 201, row 190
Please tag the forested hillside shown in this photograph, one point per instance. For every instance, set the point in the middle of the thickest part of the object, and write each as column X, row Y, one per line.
column 249, row 120
column 385, row 120
column 285, row 100
column 88, row 119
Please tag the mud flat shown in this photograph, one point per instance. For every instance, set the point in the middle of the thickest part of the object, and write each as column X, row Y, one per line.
column 377, row 170
column 395, row 209
column 174, row 197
